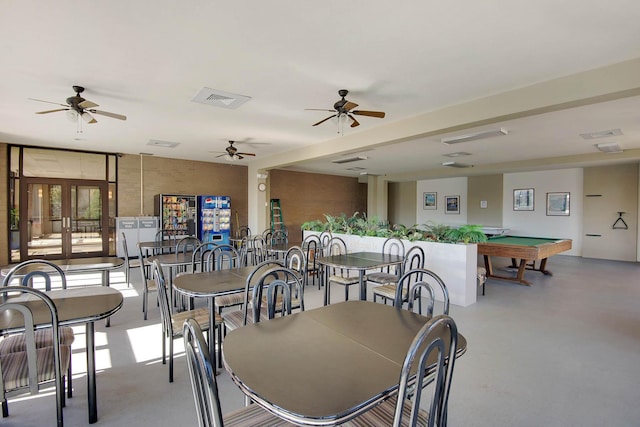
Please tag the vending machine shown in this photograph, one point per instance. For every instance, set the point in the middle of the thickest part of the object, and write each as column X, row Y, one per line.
column 177, row 213
column 214, row 219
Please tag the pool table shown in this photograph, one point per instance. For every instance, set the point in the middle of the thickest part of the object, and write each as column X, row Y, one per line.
column 525, row 249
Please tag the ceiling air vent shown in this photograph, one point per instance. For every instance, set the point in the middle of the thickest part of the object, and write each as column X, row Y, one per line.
column 218, row 98
column 602, row 134
column 350, row 159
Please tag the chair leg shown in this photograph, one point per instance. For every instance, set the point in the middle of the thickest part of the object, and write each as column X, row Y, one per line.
column 69, row 382
column 171, row 359
column 346, row 293
column 220, row 345
column 5, row 409
column 164, row 349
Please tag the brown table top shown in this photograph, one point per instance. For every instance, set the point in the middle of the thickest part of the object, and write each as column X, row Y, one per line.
column 74, row 265
column 346, row 357
column 174, row 259
column 360, row 260
column 75, row 306
column 212, row 283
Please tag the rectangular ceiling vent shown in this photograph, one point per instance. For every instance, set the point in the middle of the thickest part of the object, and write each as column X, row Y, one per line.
column 163, row 144
column 601, row 134
column 218, row 98
column 349, row 160
column 456, row 165
column 474, row 136
column 356, row 169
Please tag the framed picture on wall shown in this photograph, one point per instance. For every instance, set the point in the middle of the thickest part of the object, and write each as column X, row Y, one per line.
column 523, row 199
column 452, row 204
column 558, row 204
column 430, row 201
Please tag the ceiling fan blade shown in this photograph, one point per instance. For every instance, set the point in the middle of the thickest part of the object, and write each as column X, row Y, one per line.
column 106, row 113
column 246, row 154
column 222, row 155
column 51, row 111
column 349, row 105
column 324, row 120
column 319, row 109
column 238, row 156
column 87, row 104
column 379, row 114
column 48, row 102
column 355, row 122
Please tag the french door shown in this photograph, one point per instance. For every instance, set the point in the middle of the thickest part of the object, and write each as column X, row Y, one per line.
column 64, row 219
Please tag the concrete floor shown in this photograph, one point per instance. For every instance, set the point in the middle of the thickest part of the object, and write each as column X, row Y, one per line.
column 563, row 352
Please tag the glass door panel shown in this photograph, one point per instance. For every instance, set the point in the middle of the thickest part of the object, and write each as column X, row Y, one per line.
column 86, row 219
column 44, row 220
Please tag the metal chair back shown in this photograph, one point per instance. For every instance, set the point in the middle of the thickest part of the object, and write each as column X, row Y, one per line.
column 409, row 289
column 26, row 271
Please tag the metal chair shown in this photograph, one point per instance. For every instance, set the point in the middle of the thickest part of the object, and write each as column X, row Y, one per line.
column 313, row 249
column 44, row 337
column 254, row 249
column 391, row 246
column 266, row 292
column 220, row 258
column 128, row 262
column 238, row 318
column 162, row 236
column 413, row 259
column 172, row 322
column 148, row 284
column 33, row 365
column 337, row 246
column 205, row 388
column 437, row 341
column 409, row 290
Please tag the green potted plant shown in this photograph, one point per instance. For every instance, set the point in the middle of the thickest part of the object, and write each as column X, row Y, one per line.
column 469, row 233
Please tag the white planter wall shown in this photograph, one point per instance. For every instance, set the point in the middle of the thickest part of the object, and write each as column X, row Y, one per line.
column 456, row 264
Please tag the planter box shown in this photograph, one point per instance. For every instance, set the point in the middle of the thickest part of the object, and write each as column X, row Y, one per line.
column 455, row 263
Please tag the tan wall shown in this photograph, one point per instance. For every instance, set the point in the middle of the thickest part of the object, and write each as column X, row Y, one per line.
column 4, row 208
column 402, row 203
column 609, row 190
column 172, row 176
column 489, row 188
column 306, row 196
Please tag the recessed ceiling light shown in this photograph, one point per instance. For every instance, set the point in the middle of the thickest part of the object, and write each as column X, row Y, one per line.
column 350, row 159
column 163, row 144
column 356, row 169
column 609, row 147
column 456, row 165
column 474, row 136
column 457, row 154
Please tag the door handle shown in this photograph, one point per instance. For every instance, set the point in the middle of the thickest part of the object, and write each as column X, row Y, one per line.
column 64, row 222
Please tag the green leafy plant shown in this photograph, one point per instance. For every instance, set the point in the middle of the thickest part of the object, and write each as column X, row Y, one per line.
column 361, row 225
column 15, row 219
column 468, row 234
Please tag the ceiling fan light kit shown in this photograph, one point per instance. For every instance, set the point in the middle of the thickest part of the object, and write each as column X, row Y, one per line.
column 231, row 153
column 475, row 136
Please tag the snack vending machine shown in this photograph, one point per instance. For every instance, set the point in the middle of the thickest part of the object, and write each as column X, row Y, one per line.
column 214, row 219
column 177, row 213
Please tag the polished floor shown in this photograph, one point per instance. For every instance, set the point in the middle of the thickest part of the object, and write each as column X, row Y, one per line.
column 563, row 352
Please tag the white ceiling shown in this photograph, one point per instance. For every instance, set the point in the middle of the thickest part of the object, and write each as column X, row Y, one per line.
column 147, row 59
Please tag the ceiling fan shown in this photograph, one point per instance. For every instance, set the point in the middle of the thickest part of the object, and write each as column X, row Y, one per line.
column 232, row 153
column 77, row 106
column 344, row 108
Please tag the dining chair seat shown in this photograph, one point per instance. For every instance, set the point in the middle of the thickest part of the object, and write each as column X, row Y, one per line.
column 201, row 315
column 230, row 300
column 235, row 319
column 382, row 277
column 384, row 414
column 43, row 338
column 15, row 369
column 388, row 291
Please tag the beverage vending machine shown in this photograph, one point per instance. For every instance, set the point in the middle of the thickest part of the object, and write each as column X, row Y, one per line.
column 177, row 213
column 214, row 219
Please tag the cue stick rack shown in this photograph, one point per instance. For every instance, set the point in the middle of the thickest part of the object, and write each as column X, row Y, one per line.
column 622, row 226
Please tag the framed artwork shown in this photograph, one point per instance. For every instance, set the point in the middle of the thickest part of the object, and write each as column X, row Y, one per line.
column 558, row 204
column 523, row 199
column 430, row 201
column 452, row 204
